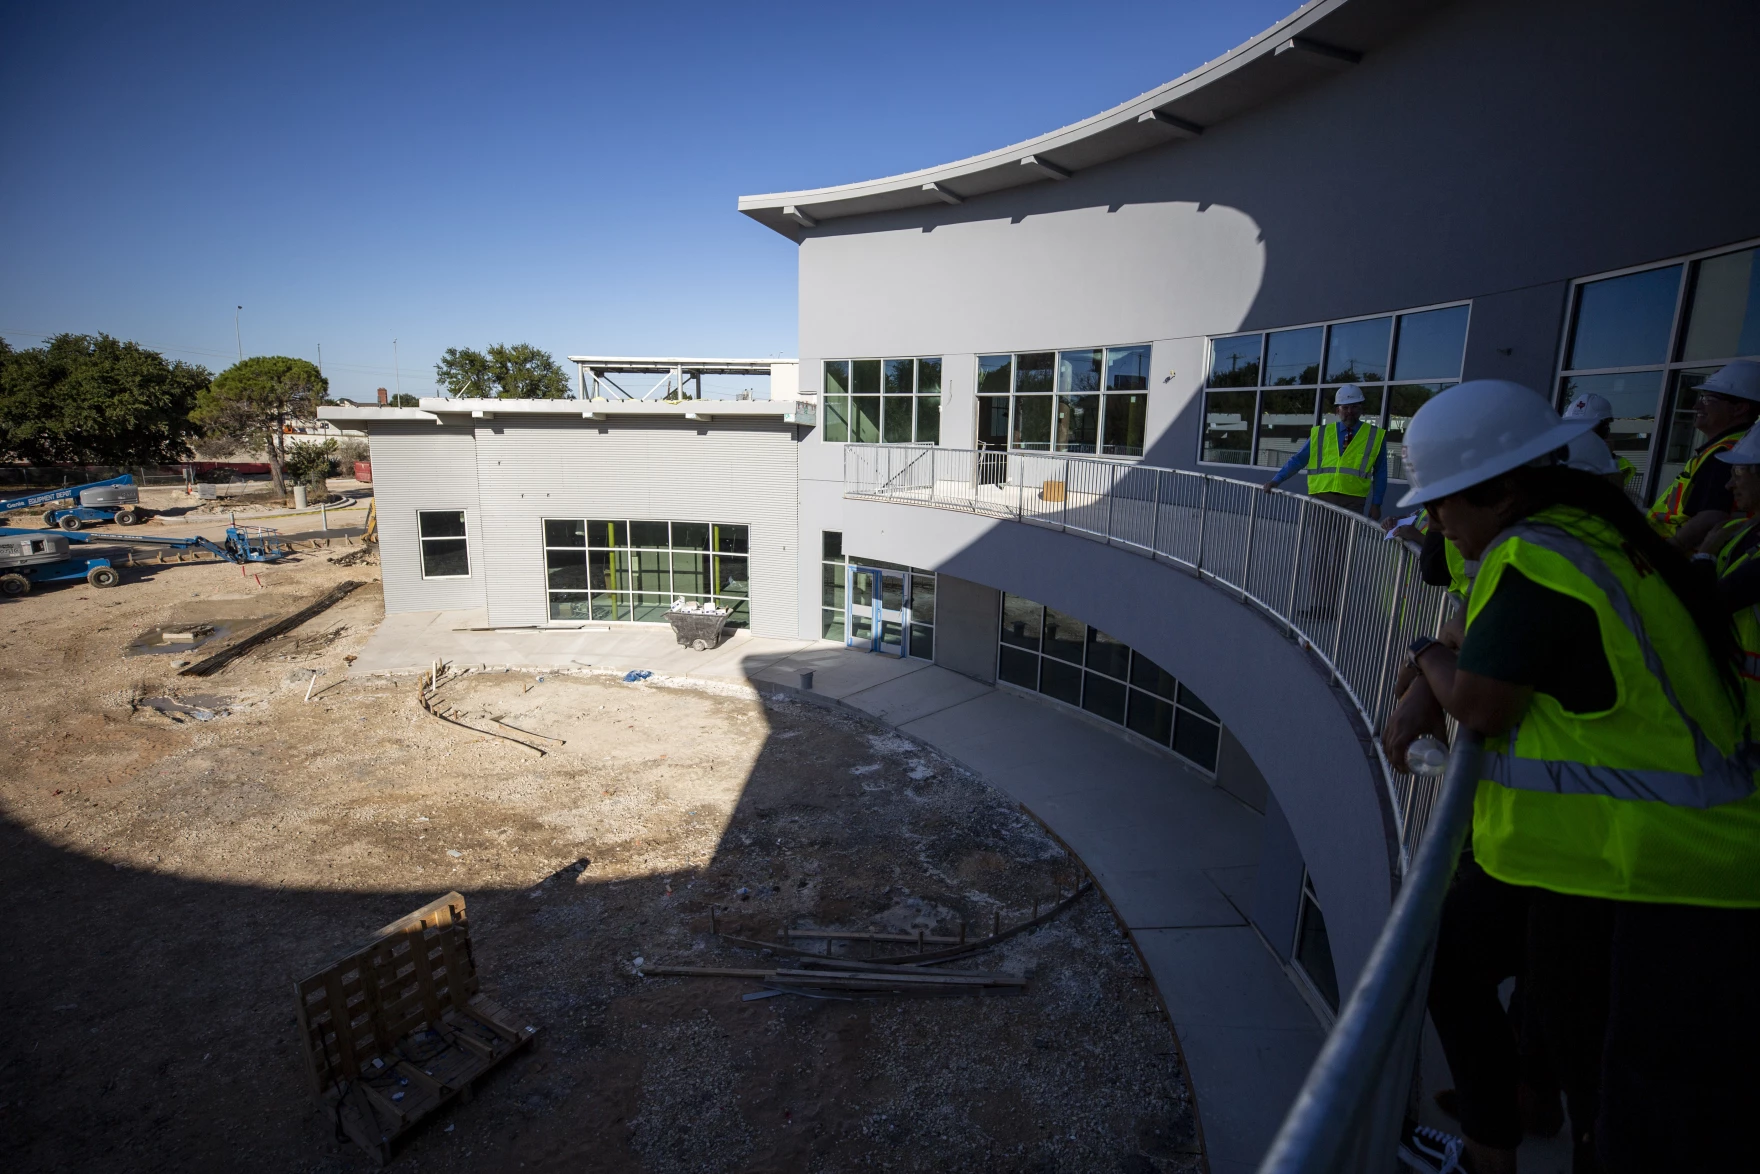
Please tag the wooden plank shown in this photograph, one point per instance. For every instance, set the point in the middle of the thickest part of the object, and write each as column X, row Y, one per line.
column 226, row 656
column 863, row 936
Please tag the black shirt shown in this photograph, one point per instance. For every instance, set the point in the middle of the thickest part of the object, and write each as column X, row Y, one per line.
column 1527, row 634
column 1710, row 487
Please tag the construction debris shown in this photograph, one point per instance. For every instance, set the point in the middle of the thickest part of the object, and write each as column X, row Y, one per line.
column 430, row 684
column 818, row 980
column 226, row 656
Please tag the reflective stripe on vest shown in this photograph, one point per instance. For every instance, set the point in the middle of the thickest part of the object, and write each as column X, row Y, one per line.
column 1747, row 620
column 1722, row 778
column 1349, row 472
column 1666, row 514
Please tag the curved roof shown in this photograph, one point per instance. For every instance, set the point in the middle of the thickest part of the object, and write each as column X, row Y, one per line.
column 1321, row 38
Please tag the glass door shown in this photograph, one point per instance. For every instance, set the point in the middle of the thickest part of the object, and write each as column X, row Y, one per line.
column 892, row 618
column 859, row 608
column 877, row 615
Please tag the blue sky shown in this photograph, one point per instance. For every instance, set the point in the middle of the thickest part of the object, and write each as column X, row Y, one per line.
column 457, row 175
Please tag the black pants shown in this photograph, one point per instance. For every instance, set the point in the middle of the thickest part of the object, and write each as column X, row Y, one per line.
column 1569, row 948
column 1682, row 1068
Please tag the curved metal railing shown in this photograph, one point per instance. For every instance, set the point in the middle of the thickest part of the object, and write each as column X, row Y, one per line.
column 1331, row 578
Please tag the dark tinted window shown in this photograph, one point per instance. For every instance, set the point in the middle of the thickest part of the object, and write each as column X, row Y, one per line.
column 1624, row 321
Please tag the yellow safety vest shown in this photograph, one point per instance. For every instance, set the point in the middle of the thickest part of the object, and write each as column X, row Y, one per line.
column 1330, row 471
column 1652, row 799
column 1626, row 470
column 1747, row 620
column 1667, row 514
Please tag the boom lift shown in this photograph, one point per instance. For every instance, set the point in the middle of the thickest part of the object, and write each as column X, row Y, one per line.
column 116, row 500
column 29, row 557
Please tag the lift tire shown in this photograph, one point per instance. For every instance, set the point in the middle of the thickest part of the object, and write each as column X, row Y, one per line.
column 70, row 521
column 14, row 585
column 126, row 518
column 103, row 576
column 48, row 517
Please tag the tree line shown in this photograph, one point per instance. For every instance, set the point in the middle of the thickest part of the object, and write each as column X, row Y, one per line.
column 96, row 400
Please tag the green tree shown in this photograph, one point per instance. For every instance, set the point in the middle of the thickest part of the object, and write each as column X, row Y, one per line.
column 520, row 371
column 252, row 403
column 80, row 399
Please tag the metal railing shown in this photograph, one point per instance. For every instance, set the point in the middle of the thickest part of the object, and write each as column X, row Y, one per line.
column 1329, row 577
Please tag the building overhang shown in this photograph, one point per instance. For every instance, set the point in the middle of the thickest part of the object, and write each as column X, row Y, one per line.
column 437, row 410
column 1316, row 42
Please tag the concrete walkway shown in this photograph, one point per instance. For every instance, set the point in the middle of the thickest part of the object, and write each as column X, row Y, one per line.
column 1174, row 854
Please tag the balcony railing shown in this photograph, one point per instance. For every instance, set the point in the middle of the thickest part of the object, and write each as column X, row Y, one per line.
column 1330, row 578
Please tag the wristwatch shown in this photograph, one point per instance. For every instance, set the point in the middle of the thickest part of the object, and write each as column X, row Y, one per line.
column 1419, row 646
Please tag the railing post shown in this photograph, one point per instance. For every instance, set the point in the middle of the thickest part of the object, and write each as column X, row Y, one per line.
column 1344, row 595
column 1399, row 599
column 1155, row 520
column 1111, row 500
column 1020, row 489
column 1203, row 520
column 1295, row 567
column 1247, row 559
column 1063, row 514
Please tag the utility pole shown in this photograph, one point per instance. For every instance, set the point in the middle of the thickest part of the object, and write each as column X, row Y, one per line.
column 237, row 337
column 320, row 358
column 396, row 374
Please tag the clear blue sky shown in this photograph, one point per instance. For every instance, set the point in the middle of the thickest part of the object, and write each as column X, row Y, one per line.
column 453, row 175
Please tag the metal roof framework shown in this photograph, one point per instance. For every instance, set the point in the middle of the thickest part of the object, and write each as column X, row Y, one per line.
column 595, row 371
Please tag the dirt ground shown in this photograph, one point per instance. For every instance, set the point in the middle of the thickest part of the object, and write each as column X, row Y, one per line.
column 178, row 850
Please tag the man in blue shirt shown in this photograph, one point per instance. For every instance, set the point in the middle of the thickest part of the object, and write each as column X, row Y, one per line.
column 1351, row 464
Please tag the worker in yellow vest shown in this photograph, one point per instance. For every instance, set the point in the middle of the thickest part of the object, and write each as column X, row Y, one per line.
column 1733, row 553
column 1597, row 408
column 1346, row 462
column 1697, row 501
column 1618, row 787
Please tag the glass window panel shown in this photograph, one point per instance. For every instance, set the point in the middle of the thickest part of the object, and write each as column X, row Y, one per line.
column 1234, row 362
column 897, row 420
column 1228, row 427
column 1151, row 717
column 1078, row 423
column 1034, row 373
column 837, row 418
column 1021, row 622
column 831, row 625
column 1372, row 396
column 1724, row 320
column 831, row 585
column 690, row 573
column 1192, row 702
column 837, row 377
column 604, row 534
column 649, row 535
column 570, row 605
column 1032, row 422
column 445, row 558
column 831, row 543
column 739, row 612
column 1065, row 636
column 995, row 374
column 1195, row 739
column 892, row 592
column 650, row 607
column 441, row 523
column 923, row 599
column 1293, row 356
column 734, row 539
column 731, row 576
column 690, row 536
column 861, row 624
column 1061, row 681
column 993, row 421
column 1404, row 400
column 1285, row 419
column 865, row 377
column 900, row 377
column 929, row 419
column 861, row 590
column 610, row 607
column 1635, row 396
column 1079, row 370
column 1108, row 654
column 1314, row 950
column 650, row 570
column 1357, row 351
column 1624, row 321
column 864, row 424
column 1430, row 344
column 600, row 569
column 566, row 570
column 1683, row 438
column 1018, row 668
column 928, row 376
column 565, row 533
column 1125, row 418
column 1127, row 368
column 1146, row 674
column 1103, row 697
column 923, row 641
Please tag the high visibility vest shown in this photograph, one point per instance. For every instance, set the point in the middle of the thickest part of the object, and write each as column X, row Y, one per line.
column 1652, row 799
column 1747, row 620
column 1626, row 470
column 1668, row 512
column 1330, row 471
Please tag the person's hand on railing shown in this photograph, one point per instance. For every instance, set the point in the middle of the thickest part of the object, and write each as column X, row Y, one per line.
column 1418, row 713
column 1268, row 486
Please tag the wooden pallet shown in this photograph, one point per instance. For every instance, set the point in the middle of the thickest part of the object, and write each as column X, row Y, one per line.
column 399, row 1028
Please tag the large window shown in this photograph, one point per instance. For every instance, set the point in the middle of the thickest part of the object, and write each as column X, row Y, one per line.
column 1062, row 657
column 1264, row 392
column 445, row 549
column 1313, row 946
column 1646, row 338
column 1090, row 401
column 890, row 401
column 633, row 570
column 835, row 585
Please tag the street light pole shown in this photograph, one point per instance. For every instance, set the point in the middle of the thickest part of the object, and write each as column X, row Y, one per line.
column 396, row 374
column 237, row 337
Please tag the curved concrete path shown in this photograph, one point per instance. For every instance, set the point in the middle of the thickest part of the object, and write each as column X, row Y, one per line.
column 1175, row 855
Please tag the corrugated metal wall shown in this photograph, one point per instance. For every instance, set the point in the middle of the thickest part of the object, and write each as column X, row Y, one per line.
column 734, row 471
column 420, row 466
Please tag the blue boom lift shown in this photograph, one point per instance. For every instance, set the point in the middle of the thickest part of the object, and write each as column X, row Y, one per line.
column 29, row 557
column 116, row 500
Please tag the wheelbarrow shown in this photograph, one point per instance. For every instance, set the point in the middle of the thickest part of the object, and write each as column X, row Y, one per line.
column 697, row 630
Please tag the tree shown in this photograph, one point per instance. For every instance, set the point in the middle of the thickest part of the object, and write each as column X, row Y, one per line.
column 80, row 399
column 252, row 403
column 520, row 371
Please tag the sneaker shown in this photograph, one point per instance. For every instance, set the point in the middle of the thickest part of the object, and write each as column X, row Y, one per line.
column 1431, row 1151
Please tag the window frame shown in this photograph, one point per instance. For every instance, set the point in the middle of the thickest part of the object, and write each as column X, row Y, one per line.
column 464, row 517
column 711, row 557
column 1056, row 395
column 916, row 397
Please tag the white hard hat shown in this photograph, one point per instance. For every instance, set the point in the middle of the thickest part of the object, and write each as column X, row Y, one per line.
column 1738, row 380
column 1745, row 452
column 1589, row 406
column 1590, row 453
column 1474, row 431
column 1350, row 393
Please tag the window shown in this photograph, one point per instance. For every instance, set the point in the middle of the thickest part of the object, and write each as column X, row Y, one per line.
column 633, row 570
column 1054, row 653
column 891, row 401
column 1313, row 952
column 445, row 549
column 1265, row 392
column 1092, row 402
column 835, row 586
column 1645, row 339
